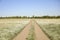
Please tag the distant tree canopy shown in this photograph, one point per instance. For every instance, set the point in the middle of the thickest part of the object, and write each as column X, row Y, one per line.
column 30, row 17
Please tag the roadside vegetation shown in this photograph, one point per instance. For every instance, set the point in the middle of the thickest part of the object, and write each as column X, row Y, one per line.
column 52, row 30
column 9, row 30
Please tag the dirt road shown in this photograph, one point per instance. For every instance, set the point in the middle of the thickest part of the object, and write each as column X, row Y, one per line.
column 38, row 32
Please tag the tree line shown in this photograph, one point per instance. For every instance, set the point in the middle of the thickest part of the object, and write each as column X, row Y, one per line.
column 30, row 17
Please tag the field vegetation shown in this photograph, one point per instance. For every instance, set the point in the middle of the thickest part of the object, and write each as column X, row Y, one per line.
column 31, row 35
column 9, row 28
column 51, row 27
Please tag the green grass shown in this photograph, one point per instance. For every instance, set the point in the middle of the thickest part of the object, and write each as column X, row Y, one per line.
column 9, row 30
column 52, row 30
column 31, row 34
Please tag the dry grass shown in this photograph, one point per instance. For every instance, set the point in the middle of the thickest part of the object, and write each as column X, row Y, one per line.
column 9, row 28
column 49, row 20
column 51, row 27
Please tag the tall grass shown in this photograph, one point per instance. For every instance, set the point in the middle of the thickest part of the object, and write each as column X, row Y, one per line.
column 52, row 30
column 9, row 31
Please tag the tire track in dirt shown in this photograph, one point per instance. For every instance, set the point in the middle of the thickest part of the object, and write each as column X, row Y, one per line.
column 39, row 33
column 23, row 35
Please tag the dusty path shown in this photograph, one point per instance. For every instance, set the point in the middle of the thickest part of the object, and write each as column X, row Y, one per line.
column 39, row 33
column 23, row 35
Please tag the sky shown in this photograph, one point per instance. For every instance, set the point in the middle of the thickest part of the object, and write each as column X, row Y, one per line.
column 29, row 7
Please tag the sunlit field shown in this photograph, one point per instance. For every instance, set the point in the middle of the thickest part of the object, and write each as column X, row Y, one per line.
column 29, row 29
column 9, row 28
column 51, row 27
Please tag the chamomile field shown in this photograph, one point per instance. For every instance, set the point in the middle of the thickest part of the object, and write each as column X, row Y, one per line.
column 29, row 19
column 51, row 27
column 9, row 28
column 29, row 29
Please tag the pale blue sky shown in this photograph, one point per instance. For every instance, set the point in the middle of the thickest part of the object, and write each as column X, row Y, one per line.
column 29, row 7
